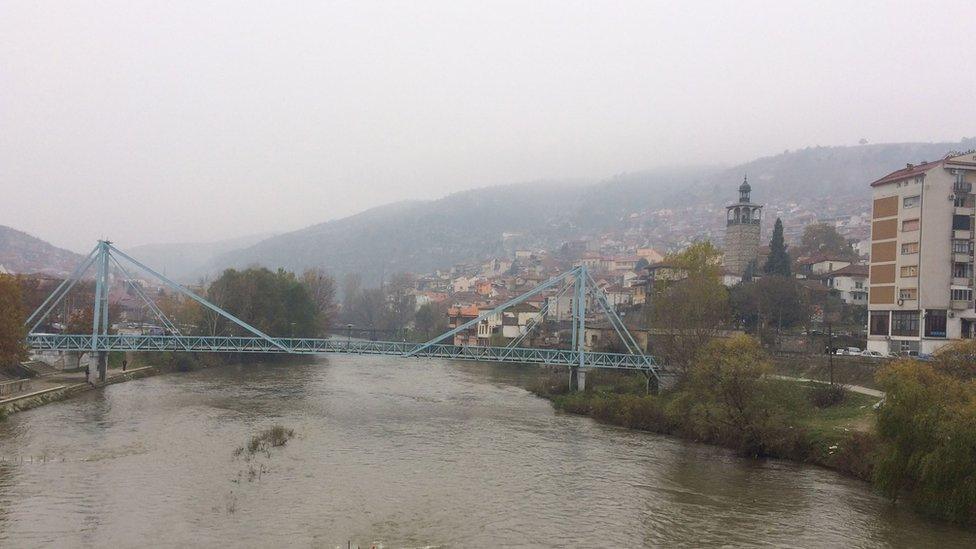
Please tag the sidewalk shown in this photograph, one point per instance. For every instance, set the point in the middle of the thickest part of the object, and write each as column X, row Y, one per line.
column 852, row 388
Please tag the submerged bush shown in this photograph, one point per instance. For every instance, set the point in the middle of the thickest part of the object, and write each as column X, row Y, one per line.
column 271, row 437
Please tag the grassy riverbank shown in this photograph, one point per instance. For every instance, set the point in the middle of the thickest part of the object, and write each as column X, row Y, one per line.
column 918, row 446
column 839, row 436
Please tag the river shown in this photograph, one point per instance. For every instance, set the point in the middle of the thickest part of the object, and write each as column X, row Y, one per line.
column 401, row 453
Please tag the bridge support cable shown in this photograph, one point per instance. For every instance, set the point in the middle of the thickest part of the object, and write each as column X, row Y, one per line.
column 179, row 288
column 514, row 301
column 52, row 301
column 618, row 324
column 167, row 323
column 537, row 320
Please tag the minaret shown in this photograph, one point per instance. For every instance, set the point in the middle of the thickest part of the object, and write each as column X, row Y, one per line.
column 742, row 231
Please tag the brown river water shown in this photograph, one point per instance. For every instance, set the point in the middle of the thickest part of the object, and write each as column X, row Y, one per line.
column 402, row 453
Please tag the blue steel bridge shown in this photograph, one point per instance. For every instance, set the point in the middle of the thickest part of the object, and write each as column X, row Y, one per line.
column 109, row 263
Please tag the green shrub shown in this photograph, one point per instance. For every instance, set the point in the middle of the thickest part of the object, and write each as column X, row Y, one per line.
column 827, row 395
column 927, row 431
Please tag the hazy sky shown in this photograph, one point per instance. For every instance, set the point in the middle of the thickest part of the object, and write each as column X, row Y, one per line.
column 171, row 121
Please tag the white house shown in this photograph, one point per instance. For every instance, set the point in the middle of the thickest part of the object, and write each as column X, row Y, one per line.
column 851, row 283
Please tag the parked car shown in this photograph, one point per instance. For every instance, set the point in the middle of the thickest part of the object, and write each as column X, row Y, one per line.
column 853, row 350
column 873, row 354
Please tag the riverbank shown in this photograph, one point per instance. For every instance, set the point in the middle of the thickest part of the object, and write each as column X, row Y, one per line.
column 796, row 425
column 61, row 391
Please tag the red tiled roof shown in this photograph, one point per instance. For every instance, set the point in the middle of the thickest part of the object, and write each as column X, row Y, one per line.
column 850, row 270
column 820, row 258
column 907, row 172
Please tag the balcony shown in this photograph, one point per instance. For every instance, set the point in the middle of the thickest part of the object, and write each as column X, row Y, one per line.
column 962, row 235
column 960, row 187
column 960, row 304
column 962, row 282
column 960, row 257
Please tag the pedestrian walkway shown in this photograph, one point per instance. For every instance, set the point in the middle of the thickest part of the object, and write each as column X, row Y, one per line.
column 852, row 388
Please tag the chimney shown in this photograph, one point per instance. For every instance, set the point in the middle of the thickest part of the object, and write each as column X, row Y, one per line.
column 909, row 166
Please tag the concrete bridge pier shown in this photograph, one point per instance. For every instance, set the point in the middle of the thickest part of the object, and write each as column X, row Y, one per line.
column 577, row 379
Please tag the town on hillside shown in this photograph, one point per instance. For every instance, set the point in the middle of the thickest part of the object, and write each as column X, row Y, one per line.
column 894, row 280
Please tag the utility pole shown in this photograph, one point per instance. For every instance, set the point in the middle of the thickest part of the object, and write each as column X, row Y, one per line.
column 830, row 350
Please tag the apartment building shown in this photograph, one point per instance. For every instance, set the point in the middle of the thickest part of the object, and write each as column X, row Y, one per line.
column 920, row 294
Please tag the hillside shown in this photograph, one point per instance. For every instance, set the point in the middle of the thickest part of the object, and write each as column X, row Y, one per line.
column 420, row 236
column 21, row 253
column 186, row 261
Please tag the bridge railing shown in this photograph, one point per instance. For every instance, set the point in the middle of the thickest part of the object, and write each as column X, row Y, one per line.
column 248, row 344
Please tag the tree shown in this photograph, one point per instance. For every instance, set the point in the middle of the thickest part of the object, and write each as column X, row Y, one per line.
column 274, row 302
column 770, row 300
column 822, row 238
column 352, row 284
column 688, row 312
column 957, row 360
column 778, row 262
column 321, row 288
column 731, row 397
column 13, row 346
column 431, row 319
column 927, row 440
column 402, row 299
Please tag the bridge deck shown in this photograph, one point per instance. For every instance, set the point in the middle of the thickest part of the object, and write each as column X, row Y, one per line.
column 232, row 344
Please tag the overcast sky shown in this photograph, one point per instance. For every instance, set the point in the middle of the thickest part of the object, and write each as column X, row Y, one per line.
column 181, row 121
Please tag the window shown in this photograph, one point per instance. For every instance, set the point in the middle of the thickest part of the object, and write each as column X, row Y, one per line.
column 935, row 323
column 961, row 294
column 962, row 270
column 879, row 323
column 962, row 247
column 911, row 202
column 909, row 248
column 909, row 271
column 907, row 347
column 858, row 284
column 904, row 323
column 960, row 223
column 908, row 293
column 909, row 225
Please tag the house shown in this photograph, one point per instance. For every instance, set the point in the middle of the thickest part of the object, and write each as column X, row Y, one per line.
column 624, row 263
column 517, row 319
column 650, row 255
column 619, row 297
column 821, row 264
column 463, row 284
column 729, row 278
column 850, row 282
column 457, row 316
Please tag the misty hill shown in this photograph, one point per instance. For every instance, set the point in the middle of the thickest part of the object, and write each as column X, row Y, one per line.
column 828, row 172
column 21, row 253
column 421, row 236
column 188, row 260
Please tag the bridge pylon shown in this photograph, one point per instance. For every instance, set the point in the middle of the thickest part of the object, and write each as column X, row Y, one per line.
column 106, row 258
column 584, row 289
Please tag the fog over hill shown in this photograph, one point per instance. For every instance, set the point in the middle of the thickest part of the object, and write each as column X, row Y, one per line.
column 21, row 253
column 421, row 236
column 187, row 260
